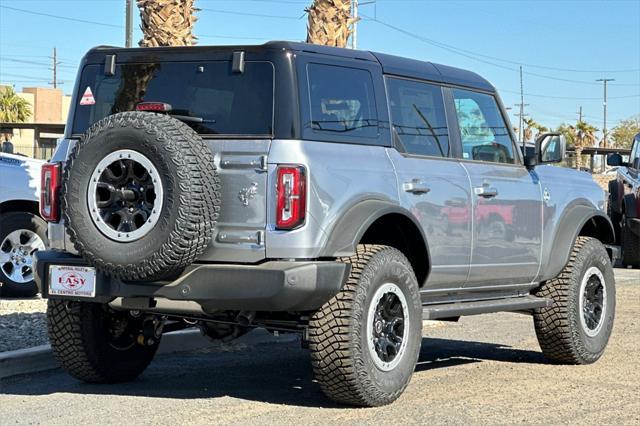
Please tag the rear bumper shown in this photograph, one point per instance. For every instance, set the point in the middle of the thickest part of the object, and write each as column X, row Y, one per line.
column 270, row 286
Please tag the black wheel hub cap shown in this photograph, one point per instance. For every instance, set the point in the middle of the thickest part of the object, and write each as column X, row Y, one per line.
column 593, row 302
column 388, row 327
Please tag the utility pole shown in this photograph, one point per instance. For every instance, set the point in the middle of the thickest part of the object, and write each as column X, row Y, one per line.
column 604, row 104
column 354, row 8
column 55, row 81
column 128, row 31
column 580, row 114
column 354, row 36
column 521, row 115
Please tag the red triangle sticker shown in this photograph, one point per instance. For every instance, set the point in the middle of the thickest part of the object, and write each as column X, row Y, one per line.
column 87, row 97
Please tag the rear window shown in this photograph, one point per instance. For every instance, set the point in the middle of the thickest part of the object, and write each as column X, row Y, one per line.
column 207, row 95
column 342, row 101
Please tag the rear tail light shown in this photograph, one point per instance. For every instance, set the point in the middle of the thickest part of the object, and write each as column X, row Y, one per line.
column 292, row 197
column 50, row 192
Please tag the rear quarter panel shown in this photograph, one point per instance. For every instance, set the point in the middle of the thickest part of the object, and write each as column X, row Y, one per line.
column 339, row 177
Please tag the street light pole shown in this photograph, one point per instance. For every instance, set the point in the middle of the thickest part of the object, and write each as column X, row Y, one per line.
column 604, row 127
column 354, row 35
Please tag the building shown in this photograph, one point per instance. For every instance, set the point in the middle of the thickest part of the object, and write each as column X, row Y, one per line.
column 48, row 106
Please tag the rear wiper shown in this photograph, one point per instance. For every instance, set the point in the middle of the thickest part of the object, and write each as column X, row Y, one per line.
column 180, row 114
column 190, row 119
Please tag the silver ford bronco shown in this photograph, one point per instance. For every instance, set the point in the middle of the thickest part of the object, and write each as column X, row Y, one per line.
column 342, row 195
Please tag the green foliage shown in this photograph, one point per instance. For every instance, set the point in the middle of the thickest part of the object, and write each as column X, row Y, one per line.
column 532, row 125
column 13, row 108
column 569, row 133
column 622, row 135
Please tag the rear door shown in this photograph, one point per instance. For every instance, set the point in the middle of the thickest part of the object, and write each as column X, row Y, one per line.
column 431, row 183
column 507, row 200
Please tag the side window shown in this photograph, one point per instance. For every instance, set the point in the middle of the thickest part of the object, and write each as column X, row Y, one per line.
column 342, row 101
column 634, row 158
column 484, row 134
column 418, row 117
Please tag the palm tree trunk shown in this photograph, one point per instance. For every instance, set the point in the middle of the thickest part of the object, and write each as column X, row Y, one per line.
column 578, row 157
column 330, row 22
column 167, row 22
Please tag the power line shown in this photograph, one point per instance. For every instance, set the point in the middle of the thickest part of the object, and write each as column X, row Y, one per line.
column 26, row 77
column 259, row 15
column 575, row 98
column 65, row 18
column 24, row 61
column 473, row 56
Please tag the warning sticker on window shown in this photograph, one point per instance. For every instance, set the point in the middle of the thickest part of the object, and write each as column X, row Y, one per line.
column 87, row 97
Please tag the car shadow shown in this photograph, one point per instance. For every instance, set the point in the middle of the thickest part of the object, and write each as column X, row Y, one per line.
column 271, row 373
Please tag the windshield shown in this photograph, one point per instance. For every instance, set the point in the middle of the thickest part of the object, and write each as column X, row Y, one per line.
column 218, row 101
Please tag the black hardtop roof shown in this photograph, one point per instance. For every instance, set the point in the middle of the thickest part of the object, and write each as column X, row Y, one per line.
column 391, row 64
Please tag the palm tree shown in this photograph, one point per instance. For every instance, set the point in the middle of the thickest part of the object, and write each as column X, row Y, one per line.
column 532, row 125
column 163, row 23
column 13, row 109
column 167, row 22
column 585, row 136
column 569, row 133
column 330, row 22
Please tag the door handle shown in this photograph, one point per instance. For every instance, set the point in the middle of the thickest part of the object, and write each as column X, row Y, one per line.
column 485, row 191
column 415, row 187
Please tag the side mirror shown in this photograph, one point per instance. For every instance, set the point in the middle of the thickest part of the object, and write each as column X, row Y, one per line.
column 614, row 160
column 551, row 147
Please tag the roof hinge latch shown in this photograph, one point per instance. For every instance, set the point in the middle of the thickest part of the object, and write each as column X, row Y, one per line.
column 237, row 65
column 110, row 65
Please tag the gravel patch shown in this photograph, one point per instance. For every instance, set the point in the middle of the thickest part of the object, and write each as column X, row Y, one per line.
column 22, row 323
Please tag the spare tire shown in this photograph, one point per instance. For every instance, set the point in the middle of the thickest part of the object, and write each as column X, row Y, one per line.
column 140, row 196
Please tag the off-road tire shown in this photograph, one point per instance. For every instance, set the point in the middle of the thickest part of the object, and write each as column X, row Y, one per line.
column 342, row 362
column 561, row 336
column 191, row 199
column 79, row 337
column 10, row 222
column 630, row 245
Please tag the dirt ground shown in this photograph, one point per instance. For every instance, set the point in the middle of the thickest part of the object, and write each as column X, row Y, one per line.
column 485, row 369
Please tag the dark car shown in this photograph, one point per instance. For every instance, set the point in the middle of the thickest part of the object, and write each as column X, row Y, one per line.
column 624, row 203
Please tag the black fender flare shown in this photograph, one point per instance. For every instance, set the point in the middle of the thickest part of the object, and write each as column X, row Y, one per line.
column 566, row 234
column 630, row 206
column 615, row 200
column 347, row 232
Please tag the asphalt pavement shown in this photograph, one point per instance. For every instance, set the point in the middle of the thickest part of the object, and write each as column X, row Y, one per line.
column 486, row 369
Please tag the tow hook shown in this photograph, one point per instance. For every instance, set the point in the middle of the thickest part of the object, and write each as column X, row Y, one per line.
column 151, row 331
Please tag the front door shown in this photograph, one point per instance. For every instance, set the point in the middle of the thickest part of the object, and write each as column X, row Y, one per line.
column 433, row 186
column 507, row 200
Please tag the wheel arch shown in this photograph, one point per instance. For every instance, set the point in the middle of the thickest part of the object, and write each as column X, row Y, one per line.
column 591, row 223
column 381, row 222
column 12, row 206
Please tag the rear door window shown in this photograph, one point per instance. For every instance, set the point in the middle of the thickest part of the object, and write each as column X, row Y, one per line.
column 342, row 101
column 207, row 96
column 418, row 117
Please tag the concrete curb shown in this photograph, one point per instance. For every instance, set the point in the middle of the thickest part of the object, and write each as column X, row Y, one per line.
column 40, row 358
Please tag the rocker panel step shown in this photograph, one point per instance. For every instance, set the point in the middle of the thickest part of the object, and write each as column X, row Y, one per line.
column 448, row 310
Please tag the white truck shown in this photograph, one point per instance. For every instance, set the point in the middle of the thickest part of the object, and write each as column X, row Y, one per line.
column 22, row 230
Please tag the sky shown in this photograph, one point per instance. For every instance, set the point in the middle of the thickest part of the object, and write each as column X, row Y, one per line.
column 562, row 45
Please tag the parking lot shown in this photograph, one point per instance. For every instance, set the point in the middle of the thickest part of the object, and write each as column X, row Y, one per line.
column 483, row 369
